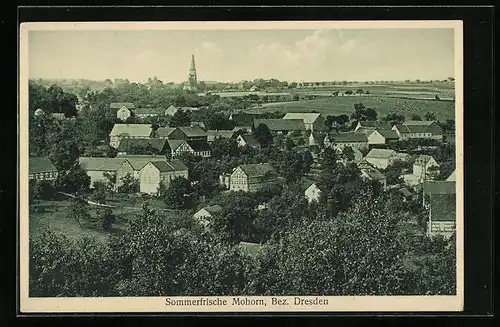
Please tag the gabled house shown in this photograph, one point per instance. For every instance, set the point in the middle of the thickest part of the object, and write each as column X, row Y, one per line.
column 338, row 141
column 172, row 110
column 98, row 167
column 199, row 124
column 373, row 174
column 136, row 162
column 382, row 136
column 204, row 215
column 252, row 177
column 312, row 121
column 418, row 129
column 281, row 126
column 164, row 132
column 371, row 125
column 41, row 169
column 123, row 109
column 196, row 147
column 159, row 146
column 312, row 192
column 214, row 134
column 248, row 140
column 452, row 177
column 421, row 170
column 187, row 133
column 440, row 200
column 131, row 131
column 155, row 173
column 381, row 158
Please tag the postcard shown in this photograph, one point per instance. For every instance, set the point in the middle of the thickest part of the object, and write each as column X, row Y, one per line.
column 291, row 166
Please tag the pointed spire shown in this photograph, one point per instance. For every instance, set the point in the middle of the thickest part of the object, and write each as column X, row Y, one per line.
column 193, row 67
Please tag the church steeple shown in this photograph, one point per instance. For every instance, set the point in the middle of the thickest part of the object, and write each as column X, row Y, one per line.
column 192, row 78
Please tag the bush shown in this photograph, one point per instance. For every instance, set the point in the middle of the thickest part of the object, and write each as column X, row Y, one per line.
column 42, row 190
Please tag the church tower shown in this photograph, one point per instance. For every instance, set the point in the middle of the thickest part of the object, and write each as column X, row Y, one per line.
column 192, row 83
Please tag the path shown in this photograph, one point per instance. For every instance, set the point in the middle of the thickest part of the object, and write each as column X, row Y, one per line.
column 110, row 206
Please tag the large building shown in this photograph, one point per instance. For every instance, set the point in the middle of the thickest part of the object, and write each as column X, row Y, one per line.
column 192, row 82
column 418, row 129
column 252, row 177
column 440, row 199
column 312, row 121
column 41, row 168
column 130, row 131
column 156, row 172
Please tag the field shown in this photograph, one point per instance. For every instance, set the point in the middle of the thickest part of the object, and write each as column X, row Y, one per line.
column 382, row 104
column 55, row 215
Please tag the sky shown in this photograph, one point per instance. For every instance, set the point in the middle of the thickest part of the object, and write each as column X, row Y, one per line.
column 235, row 55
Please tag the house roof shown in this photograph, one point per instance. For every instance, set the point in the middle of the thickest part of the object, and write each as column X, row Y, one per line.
column 373, row 173
column 213, row 134
column 138, row 161
column 419, row 122
column 307, row 117
column 172, row 109
column 166, row 166
column 443, row 207
column 381, row 153
column 405, row 192
column 348, row 137
column 118, row 105
column 416, row 126
column 423, row 159
column 250, row 248
column 126, row 144
column 198, row 124
column 388, row 134
column 244, row 118
column 174, row 144
column 213, row 209
column 41, row 165
column 164, row 131
column 101, row 164
column 452, row 177
column 199, row 145
column 305, row 183
column 195, row 131
column 144, row 111
column 257, row 169
column 138, row 130
column 250, row 140
column 439, row 187
column 281, row 124
column 375, row 124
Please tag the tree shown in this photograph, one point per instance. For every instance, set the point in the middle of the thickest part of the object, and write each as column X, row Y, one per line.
column 263, row 135
column 43, row 190
column 143, row 148
column 361, row 113
column 348, row 153
column 64, row 146
column 221, row 147
column 394, row 118
column 307, row 161
column 289, row 144
column 107, row 218
column 178, row 195
column 75, row 180
column 394, row 171
column 415, row 117
column 78, row 209
column 430, row 116
column 330, row 158
column 181, row 118
column 129, row 184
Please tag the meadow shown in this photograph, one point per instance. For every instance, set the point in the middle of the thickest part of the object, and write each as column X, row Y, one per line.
column 443, row 109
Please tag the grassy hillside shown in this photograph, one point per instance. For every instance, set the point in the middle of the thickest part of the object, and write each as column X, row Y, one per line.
column 383, row 105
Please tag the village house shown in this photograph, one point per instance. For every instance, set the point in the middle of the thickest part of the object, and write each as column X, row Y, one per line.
column 252, row 177
column 214, row 134
column 97, row 168
column 452, row 177
column 282, row 126
column 172, row 110
column 135, row 163
column 124, row 109
column 422, row 167
column 164, row 132
column 148, row 112
column 370, row 125
column 418, row 129
column 199, row 124
column 159, row 146
column 440, row 199
column 311, row 190
column 204, row 215
column 187, row 133
column 381, row 158
column 156, row 172
column 244, row 129
column 131, row 131
column 42, row 169
column 312, row 121
column 248, row 140
column 196, row 147
column 382, row 136
column 244, row 119
column 317, row 139
column 373, row 174
column 338, row 141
